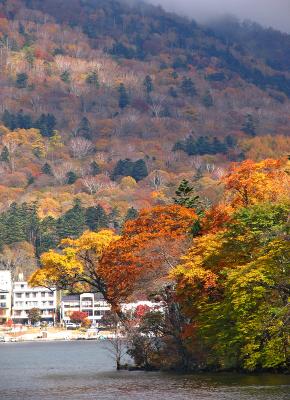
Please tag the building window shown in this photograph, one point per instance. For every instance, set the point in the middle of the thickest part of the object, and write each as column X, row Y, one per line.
column 18, row 295
column 87, row 299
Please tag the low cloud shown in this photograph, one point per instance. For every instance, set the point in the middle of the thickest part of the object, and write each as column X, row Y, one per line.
column 274, row 13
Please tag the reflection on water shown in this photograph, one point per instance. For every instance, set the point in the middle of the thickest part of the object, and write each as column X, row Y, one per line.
column 84, row 370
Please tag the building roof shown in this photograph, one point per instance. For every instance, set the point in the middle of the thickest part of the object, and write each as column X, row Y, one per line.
column 76, row 297
column 70, row 297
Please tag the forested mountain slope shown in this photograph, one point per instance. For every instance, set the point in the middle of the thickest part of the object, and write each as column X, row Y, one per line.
column 112, row 103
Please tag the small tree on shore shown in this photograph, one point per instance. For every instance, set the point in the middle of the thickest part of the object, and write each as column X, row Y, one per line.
column 117, row 343
column 34, row 315
column 78, row 317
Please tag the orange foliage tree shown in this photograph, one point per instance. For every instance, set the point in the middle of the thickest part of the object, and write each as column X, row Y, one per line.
column 249, row 183
column 148, row 249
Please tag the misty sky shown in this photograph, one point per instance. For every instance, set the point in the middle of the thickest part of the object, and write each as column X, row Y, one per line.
column 275, row 13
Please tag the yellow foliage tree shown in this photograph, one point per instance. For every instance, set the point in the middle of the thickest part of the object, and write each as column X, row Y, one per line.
column 77, row 266
column 127, row 183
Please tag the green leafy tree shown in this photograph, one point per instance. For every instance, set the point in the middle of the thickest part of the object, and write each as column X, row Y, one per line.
column 236, row 289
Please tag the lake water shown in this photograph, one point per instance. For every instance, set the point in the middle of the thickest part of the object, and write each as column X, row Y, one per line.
column 84, row 370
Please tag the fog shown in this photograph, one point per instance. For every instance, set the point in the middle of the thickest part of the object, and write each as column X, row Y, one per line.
column 274, row 13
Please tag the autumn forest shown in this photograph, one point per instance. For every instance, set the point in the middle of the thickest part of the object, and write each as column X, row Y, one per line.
column 143, row 155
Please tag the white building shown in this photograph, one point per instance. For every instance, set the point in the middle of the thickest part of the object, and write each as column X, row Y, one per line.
column 5, row 280
column 96, row 307
column 5, row 295
column 25, row 298
column 91, row 303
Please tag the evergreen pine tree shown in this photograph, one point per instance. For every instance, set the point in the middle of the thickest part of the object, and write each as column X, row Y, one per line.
column 46, row 124
column 114, row 218
column 23, row 121
column 249, row 125
column 230, row 141
column 185, row 197
column 14, row 225
column 93, row 79
column 73, row 223
column 139, row 170
column 30, row 180
column 123, row 97
column 71, row 177
column 84, row 128
column 172, row 92
column 190, row 146
column 148, row 84
column 207, row 99
column 21, row 80
column 47, row 236
column 9, row 120
column 96, row 218
column 46, row 169
column 218, row 146
column 123, row 168
column 188, row 87
column 29, row 214
column 94, row 168
column 65, row 76
column 4, row 156
column 131, row 214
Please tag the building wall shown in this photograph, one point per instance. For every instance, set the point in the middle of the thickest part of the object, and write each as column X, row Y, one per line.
column 5, row 306
column 26, row 298
column 5, row 295
column 86, row 302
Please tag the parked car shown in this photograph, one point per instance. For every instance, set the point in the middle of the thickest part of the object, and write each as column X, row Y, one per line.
column 72, row 325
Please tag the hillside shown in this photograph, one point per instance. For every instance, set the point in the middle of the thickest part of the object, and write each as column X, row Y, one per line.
column 113, row 103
